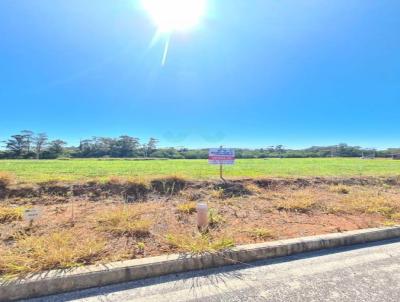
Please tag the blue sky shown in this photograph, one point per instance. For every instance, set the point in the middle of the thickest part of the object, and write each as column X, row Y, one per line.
column 255, row 73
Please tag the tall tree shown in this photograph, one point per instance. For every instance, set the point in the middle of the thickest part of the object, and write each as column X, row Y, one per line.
column 16, row 145
column 152, row 145
column 125, row 146
column 280, row 149
column 40, row 142
column 28, row 136
column 56, row 147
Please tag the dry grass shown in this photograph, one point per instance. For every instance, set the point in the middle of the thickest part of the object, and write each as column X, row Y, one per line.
column 261, row 233
column 340, row 189
column 369, row 203
column 214, row 218
column 165, row 223
column 6, row 179
column 124, row 221
column 217, row 194
column 199, row 243
column 9, row 214
column 301, row 202
column 169, row 185
column 65, row 249
column 187, row 208
column 255, row 189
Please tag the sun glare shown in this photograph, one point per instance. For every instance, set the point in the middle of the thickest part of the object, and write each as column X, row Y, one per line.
column 175, row 15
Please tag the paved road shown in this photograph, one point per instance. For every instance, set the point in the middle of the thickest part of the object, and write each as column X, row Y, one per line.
column 362, row 273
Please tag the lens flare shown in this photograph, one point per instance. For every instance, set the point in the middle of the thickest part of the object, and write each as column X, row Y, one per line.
column 175, row 15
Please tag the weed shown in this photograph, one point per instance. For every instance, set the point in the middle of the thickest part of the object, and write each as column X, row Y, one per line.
column 141, row 246
column 63, row 249
column 261, row 233
column 191, row 196
column 340, row 189
column 169, row 185
column 187, row 208
column 124, row 222
column 214, row 218
column 232, row 189
column 199, row 244
column 217, row 193
column 395, row 216
column 302, row 203
column 253, row 188
column 9, row 214
column 370, row 204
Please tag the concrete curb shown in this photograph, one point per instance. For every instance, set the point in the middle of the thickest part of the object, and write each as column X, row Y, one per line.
column 58, row 281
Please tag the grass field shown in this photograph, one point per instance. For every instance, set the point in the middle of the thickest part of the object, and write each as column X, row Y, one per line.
column 83, row 169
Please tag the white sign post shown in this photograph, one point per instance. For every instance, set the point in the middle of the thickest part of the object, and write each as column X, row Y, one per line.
column 221, row 157
column 31, row 215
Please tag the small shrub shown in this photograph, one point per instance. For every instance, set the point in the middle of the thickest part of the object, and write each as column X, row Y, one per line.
column 9, row 214
column 141, row 246
column 199, row 244
column 124, row 222
column 214, row 218
column 187, row 208
column 63, row 249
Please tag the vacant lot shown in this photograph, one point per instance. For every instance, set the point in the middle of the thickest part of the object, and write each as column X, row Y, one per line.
column 68, row 170
column 95, row 211
column 95, row 222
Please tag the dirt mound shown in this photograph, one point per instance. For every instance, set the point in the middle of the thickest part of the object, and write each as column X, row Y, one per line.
column 271, row 183
column 168, row 186
column 22, row 191
column 276, row 183
column 135, row 192
column 130, row 191
column 54, row 188
column 232, row 189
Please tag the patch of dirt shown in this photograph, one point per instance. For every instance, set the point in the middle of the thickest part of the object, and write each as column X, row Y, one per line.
column 248, row 211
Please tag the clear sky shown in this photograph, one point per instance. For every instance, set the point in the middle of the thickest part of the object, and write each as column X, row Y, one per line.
column 253, row 73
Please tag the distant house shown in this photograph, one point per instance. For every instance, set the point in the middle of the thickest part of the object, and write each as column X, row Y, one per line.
column 396, row 156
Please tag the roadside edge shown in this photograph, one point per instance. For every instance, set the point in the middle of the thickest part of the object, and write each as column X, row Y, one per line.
column 60, row 281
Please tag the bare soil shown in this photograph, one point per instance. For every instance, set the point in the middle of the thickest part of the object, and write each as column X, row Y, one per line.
column 246, row 211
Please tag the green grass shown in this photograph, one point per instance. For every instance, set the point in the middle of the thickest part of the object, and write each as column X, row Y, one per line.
column 83, row 169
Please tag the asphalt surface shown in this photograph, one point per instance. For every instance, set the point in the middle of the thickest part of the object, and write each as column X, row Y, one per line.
column 361, row 273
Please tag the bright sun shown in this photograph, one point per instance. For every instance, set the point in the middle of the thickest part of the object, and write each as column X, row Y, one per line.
column 175, row 15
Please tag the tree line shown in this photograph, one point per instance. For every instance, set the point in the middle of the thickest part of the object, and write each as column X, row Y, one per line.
column 28, row 145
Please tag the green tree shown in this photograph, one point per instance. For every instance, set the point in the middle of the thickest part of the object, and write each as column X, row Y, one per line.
column 40, row 142
column 16, row 145
column 56, row 148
